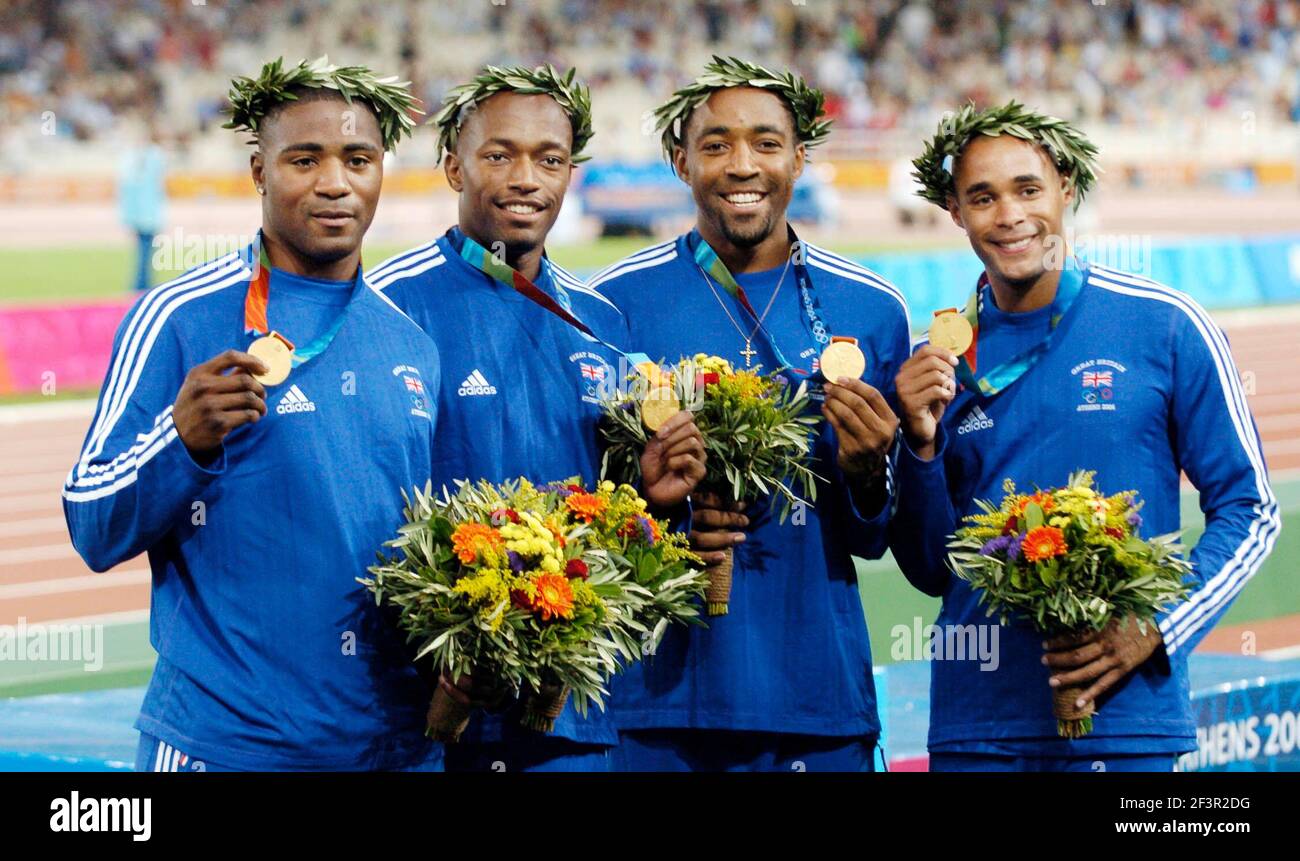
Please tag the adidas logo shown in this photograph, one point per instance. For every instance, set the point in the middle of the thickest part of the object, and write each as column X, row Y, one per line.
column 975, row 420
column 294, row 401
column 476, row 384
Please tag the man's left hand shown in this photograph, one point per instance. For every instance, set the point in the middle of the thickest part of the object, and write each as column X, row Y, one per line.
column 1102, row 657
column 673, row 462
column 864, row 425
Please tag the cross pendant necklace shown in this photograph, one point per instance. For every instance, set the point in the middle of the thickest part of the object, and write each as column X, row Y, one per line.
column 749, row 352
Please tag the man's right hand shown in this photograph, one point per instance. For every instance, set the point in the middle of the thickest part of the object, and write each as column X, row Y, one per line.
column 714, row 526
column 476, row 692
column 212, row 403
column 926, row 385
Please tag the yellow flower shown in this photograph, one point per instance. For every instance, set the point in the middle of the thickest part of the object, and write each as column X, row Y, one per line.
column 489, row 591
column 712, row 365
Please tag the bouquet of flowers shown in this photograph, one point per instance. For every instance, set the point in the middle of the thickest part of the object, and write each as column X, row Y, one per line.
column 756, row 433
column 548, row 589
column 1068, row 560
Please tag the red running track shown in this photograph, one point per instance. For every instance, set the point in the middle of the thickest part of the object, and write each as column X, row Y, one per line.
column 42, row 578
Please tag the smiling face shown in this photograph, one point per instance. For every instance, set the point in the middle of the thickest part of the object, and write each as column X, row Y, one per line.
column 1010, row 199
column 511, row 167
column 741, row 159
column 320, row 163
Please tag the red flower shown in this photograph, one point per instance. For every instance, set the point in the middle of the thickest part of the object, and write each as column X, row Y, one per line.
column 513, row 515
column 576, row 568
column 1115, row 532
column 710, row 378
column 1012, row 527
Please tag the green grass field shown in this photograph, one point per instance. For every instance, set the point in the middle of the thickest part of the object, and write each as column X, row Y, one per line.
column 70, row 274
column 887, row 600
column 91, row 272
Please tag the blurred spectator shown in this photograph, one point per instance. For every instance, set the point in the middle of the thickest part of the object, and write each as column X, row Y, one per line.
column 142, row 200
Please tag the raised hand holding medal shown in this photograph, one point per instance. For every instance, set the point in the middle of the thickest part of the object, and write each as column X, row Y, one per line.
column 218, row 396
column 927, row 382
column 864, row 423
column 672, row 461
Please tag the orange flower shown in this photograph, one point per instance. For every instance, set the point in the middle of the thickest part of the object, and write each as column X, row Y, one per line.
column 585, row 505
column 553, row 597
column 1043, row 543
column 1045, row 501
column 470, row 539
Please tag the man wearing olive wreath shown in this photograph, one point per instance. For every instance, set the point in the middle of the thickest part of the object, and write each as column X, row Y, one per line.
column 784, row 680
column 522, row 357
column 1066, row 366
column 253, row 435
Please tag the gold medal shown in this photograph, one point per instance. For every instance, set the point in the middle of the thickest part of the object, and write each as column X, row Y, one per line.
column 951, row 331
column 843, row 358
column 277, row 354
column 658, row 406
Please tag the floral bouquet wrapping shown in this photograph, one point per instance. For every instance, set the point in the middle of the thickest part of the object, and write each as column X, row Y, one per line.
column 756, row 436
column 1068, row 560
column 548, row 589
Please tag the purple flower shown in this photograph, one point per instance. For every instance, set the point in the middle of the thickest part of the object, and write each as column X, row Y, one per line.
column 1013, row 548
column 996, row 545
column 649, row 533
column 564, row 489
column 1134, row 519
column 516, row 561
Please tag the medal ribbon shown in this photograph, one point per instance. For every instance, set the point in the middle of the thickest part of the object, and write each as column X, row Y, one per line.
column 258, row 297
column 492, row 266
column 711, row 265
column 999, row 378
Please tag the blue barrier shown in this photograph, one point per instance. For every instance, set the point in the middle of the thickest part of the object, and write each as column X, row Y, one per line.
column 1249, row 725
column 88, row 731
column 1247, row 714
column 637, row 196
column 1218, row 272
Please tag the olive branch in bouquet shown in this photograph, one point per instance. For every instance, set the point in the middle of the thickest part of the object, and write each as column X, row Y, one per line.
column 756, row 430
column 1099, row 570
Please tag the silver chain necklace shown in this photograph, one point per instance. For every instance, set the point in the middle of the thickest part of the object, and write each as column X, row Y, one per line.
column 749, row 352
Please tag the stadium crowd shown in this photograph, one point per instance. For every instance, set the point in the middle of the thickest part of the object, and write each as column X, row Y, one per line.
column 99, row 67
